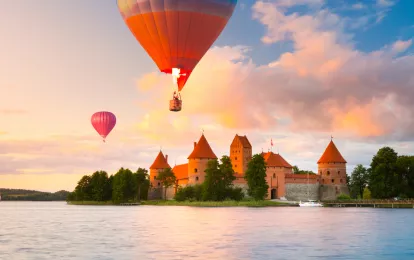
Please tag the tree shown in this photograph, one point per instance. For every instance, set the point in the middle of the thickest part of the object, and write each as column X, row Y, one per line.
column 124, row 185
column 367, row 194
column 383, row 177
column 405, row 169
column 141, row 176
column 167, row 179
column 218, row 180
column 296, row 170
column 359, row 179
column 83, row 190
column 256, row 177
column 99, row 185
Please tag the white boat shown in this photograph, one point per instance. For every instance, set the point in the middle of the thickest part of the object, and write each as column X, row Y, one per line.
column 310, row 203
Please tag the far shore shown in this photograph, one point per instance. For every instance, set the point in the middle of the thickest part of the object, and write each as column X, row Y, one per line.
column 231, row 203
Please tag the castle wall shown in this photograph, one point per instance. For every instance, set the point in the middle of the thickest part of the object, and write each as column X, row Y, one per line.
column 299, row 191
column 153, row 178
column 239, row 156
column 331, row 192
column 275, row 177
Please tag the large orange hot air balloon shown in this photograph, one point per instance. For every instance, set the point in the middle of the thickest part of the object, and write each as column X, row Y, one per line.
column 176, row 33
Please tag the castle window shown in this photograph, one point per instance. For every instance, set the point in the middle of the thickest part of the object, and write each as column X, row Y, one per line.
column 321, row 172
column 196, row 178
column 341, row 180
column 195, row 170
column 159, row 184
column 328, row 173
column 333, row 180
column 339, row 172
column 235, row 158
column 274, row 175
column 235, row 165
column 155, row 177
column 323, row 181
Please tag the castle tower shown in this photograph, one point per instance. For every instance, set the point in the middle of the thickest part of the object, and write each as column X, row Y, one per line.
column 240, row 154
column 332, row 171
column 276, row 169
column 160, row 163
column 197, row 161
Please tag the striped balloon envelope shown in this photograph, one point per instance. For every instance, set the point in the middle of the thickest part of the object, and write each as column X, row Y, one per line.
column 103, row 122
column 176, row 33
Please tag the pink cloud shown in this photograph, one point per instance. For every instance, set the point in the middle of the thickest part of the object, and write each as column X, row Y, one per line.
column 323, row 85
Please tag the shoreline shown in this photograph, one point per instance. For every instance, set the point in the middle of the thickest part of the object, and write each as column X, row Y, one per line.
column 264, row 203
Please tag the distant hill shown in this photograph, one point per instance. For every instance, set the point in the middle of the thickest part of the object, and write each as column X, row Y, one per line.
column 32, row 195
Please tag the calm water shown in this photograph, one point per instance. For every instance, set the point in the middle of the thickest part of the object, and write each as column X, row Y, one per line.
column 54, row 230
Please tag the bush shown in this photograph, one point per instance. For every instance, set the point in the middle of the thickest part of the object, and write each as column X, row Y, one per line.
column 189, row 193
column 236, row 194
column 343, row 197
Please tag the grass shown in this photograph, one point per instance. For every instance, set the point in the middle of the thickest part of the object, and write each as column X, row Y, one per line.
column 93, row 203
column 227, row 203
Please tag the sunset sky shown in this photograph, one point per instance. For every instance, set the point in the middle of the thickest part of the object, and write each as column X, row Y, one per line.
column 296, row 71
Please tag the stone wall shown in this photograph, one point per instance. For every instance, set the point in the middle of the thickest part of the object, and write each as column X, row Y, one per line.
column 331, row 192
column 243, row 186
column 158, row 193
column 297, row 192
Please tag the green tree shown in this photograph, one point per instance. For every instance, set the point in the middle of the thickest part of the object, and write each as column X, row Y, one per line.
column 358, row 181
column 99, row 185
column 219, row 178
column 383, row 177
column 405, row 169
column 167, row 179
column 83, row 190
column 367, row 194
column 124, row 186
column 256, row 178
column 296, row 170
column 142, row 177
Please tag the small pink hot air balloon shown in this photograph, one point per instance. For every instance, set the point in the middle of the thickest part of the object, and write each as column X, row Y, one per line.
column 103, row 122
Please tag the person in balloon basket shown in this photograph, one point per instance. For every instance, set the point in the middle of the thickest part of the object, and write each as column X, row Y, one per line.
column 176, row 96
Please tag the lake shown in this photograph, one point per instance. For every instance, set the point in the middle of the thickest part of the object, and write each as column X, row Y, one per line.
column 54, row 230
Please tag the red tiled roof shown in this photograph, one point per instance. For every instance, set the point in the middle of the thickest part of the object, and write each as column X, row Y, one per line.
column 202, row 150
column 160, row 162
column 275, row 160
column 181, row 171
column 331, row 155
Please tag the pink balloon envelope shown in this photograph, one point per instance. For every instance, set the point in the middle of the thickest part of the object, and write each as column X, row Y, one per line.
column 103, row 122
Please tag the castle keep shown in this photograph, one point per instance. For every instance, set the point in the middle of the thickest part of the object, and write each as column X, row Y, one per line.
column 327, row 184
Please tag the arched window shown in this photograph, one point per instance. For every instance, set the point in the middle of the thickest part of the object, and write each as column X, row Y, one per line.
column 333, row 180
column 340, row 180
column 235, row 158
column 195, row 170
column 339, row 172
column 159, row 184
column 196, row 178
column 235, row 165
column 328, row 173
column 274, row 175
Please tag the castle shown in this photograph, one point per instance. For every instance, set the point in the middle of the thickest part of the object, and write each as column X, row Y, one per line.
column 327, row 184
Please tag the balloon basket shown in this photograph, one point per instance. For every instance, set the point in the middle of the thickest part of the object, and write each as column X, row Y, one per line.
column 176, row 105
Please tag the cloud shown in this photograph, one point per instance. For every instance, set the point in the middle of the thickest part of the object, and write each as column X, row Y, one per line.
column 12, row 111
column 324, row 85
column 358, row 6
column 401, row 46
column 385, row 3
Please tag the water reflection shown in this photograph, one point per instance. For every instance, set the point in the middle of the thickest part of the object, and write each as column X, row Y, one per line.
column 54, row 230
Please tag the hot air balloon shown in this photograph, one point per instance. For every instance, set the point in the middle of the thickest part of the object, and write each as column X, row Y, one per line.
column 103, row 122
column 176, row 33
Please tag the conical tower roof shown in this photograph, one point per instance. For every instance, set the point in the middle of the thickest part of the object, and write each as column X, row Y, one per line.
column 160, row 162
column 331, row 155
column 275, row 160
column 202, row 150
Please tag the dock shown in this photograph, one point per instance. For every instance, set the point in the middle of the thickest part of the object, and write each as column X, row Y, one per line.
column 371, row 203
column 130, row 204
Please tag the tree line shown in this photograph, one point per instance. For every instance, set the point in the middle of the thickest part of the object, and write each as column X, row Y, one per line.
column 124, row 186
column 218, row 184
column 32, row 195
column 388, row 176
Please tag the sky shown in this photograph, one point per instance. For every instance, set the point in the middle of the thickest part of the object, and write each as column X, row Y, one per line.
column 294, row 71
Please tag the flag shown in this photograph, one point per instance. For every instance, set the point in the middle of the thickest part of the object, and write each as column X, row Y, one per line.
column 271, row 142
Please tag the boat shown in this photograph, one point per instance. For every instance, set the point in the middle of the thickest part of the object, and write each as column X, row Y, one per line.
column 309, row 203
